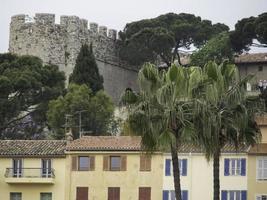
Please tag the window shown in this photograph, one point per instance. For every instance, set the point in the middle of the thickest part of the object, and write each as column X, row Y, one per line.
column 235, row 167
column 84, row 163
column 182, row 167
column 82, row 193
column 262, row 168
column 262, row 197
column 15, row 196
column 17, row 167
column 145, row 163
column 46, row 168
column 170, row 195
column 144, row 193
column 113, row 193
column 46, row 196
column 114, row 163
column 234, row 195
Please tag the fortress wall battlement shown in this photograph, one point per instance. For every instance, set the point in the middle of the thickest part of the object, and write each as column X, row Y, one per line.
column 60, row 44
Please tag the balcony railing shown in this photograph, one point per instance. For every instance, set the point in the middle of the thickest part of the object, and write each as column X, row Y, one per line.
column 30, row 173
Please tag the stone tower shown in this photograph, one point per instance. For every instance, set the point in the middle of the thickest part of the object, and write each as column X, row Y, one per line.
column 60, row 44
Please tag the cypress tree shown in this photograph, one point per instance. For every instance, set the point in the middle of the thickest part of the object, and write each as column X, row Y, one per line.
column 86, row 70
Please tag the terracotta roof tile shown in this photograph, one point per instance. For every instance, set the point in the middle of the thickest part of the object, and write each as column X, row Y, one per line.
column 252, row 58
column 32, row 147
column 228, row 148
column 130, row 143
column 260, row 149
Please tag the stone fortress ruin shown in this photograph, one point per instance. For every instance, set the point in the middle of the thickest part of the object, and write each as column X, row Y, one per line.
column 60, row 44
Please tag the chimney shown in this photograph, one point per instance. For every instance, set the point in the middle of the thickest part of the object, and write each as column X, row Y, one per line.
column 69, row 135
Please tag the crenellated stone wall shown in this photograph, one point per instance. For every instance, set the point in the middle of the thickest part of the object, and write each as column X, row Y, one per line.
column 60, row 44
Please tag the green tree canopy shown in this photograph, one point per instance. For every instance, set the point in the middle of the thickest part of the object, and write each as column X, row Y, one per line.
column 86, row 70
column 97, row 112
column 163, row 36
column 229, row 117
column 248, row 29
column 164, row 110
column 216, row 49
column 26, row 87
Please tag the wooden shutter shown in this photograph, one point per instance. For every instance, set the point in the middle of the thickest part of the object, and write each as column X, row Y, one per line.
column 167, row 167
column 184, row 168
column 226, row 167
column 74, row 163
column 243, row 195
column 82, row 193
column 224, row 195
column 106, row 163
column 185, row 195
column 113, row 193
column 145, row 163
column 144, row 193
column 92, row 163
column 243, row 167
column 165, row 195
column 142, row 163
column 123, row 163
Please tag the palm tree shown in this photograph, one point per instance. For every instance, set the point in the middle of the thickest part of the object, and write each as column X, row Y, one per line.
column 229, row 119
column 162, row 112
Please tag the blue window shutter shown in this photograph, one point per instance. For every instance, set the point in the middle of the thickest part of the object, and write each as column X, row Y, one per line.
column 243, row 195
column 224, row 195
column 243, row 167
column 167, row 167
column 226, row 167
column 184, row 195
column 184, row 164
column 165, row 195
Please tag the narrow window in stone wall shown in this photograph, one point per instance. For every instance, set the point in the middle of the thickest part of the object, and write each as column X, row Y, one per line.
column 82, row 193
column 145, row 163
column 15, row 196
column 144, row 193
column 113, row 193
column 45, row 196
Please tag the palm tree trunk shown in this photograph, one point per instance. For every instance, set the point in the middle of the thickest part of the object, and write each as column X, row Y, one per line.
column 176, row 173
column 216, row 175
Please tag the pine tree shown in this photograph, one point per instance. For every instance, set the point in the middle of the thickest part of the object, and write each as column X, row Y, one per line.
column 86, row 70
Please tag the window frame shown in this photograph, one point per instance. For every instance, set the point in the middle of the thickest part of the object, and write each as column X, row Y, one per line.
column 84, row 168
column 42, row 193
column 111, row 191
column 12, row 193
column 235, row 171
column 262, row 158
column 260, row 196
column 111, row 168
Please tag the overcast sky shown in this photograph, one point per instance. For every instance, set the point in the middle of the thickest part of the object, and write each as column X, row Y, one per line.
column 116, row 13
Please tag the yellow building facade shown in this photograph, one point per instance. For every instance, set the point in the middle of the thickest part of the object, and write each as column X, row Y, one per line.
column 32, row 170
column 257, row 165
column 116, row 168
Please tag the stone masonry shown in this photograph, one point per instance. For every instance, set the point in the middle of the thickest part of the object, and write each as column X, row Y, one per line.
column 60, row 44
